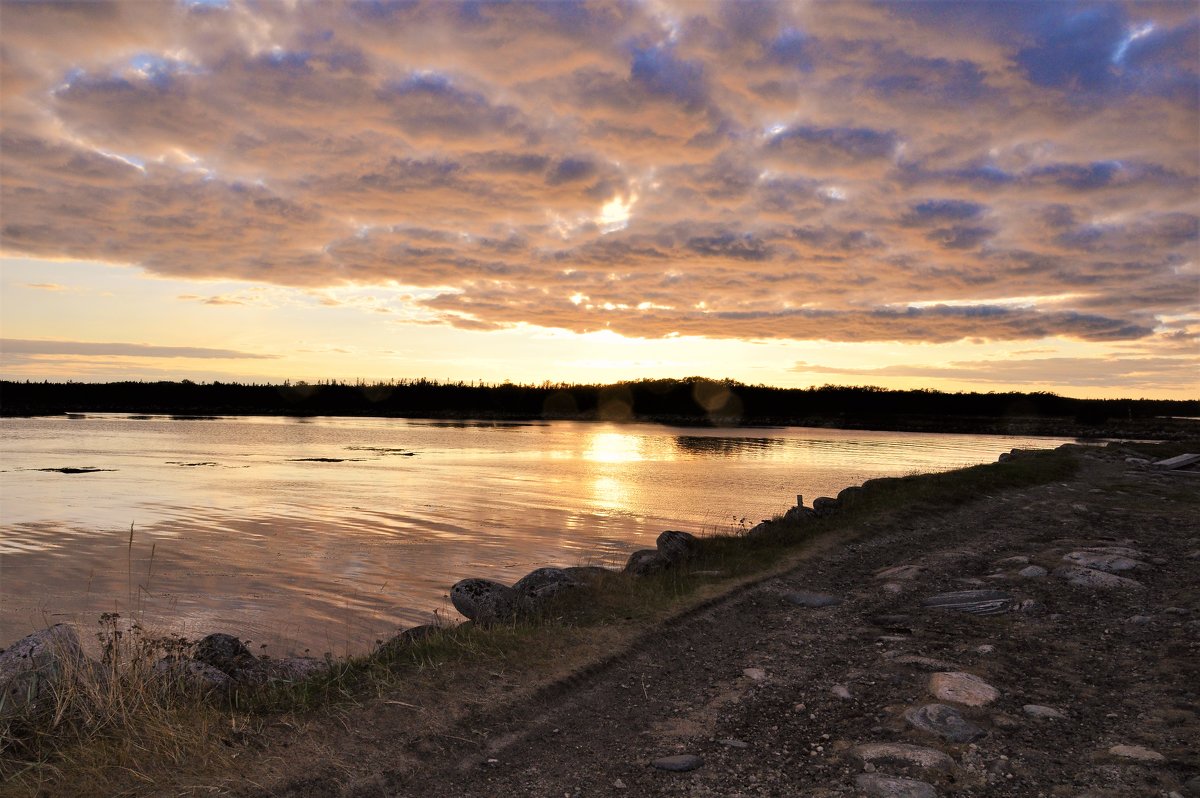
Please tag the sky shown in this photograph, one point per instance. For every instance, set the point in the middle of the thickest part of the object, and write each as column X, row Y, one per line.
column 978, row 196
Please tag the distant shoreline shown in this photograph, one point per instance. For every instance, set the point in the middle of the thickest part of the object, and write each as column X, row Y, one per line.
column 689, row 402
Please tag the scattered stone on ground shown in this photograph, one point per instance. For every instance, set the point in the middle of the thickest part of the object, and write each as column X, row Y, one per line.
column 1091, row 578
column 1111, row 563
column 34, row 666
column 1032, row 572
column 902, row 755
column 962, row 688
column 900, row 572
column 484, row 601
column 841, row 691
column 224, row 652
column 754, row 674
column 680, row 763
column 926, row 663
column 1136, row 752
column 974, row 602
column 945, row 722
column 1042, row 712
column 646, row 561
column 874, row 785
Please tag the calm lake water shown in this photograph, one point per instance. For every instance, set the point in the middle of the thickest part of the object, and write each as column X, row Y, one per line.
column 329, row 533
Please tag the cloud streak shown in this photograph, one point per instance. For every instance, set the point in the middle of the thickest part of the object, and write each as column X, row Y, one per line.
column 28, row 347
column 819, row 171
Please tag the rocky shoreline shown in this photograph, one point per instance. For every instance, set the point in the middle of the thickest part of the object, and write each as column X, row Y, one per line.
column 1032, row 643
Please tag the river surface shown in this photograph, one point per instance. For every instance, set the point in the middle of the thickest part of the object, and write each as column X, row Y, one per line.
column 326, row 534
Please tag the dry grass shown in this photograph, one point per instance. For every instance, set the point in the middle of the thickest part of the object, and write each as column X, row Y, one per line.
column 119, row 730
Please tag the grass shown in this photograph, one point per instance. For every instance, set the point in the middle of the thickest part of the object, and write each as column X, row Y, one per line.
column 117, row 729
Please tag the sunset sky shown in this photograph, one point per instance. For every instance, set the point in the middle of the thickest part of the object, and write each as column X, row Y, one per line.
column 965, row 196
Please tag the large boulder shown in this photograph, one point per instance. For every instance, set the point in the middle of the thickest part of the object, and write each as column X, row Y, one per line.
column 588, row 574
column 850, row 496
column 798, row 515
column 484, row 601
column 187, row 675
column 34, row 666
column 678, row 546
column 224, row 652
column 646, row 561
column 825, row 506
column 542, row 584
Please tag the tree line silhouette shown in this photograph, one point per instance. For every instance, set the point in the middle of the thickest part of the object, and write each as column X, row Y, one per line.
column 693, row 400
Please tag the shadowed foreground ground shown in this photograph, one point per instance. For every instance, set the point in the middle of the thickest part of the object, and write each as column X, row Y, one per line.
column 776, row 698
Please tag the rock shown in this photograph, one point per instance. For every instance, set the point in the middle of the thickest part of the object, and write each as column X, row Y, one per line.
column 754, row 674
column 588, row 573
column 945, row 722
column 189, row 675
column 1120, row 551
column 850, row 496
column 825, row 506
column 645, row 562
column 680, row 763
column 1192, row 786
column 678, row 547
column 1136, row 752
column 841, row 691
column 484, row 601
column 895, row 588
column 294, row 669
column 926, row 663
column 395, row 644
column 730, row 742
column 1139, row 620
column 962, row 688
column 1110, row 563
column 224, row 652
column 874, row 785
column 32, row 667
column 903, row 755
column 1032, row 572
column 1091, row 578
column 1007, row 562
column 985, row 649
column 542, row 584
column 974, row 602
column 1042, row 712
column 901, row 572
column 803, row 598
column 798, row 515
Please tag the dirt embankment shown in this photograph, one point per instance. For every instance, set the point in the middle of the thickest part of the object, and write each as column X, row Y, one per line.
column 1083, row 682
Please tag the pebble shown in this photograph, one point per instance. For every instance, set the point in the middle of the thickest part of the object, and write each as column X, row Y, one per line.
column 1032, row 572
column 901, row 572
column 875, row 786
column 803, row 598
column 754, row 674
column 1138, row 620
column 680, row 763
column 902, row 754
column 841, row 692
column 1090, row 577
column 893, row 587
column 732, row 743
column 1110, row 563
column 986, row 649
column 944, row 721
column 975, row 602
column 1020, row 559
column 1136, row 752
column 962, row 688
column 1042, row 712
column 926, row 663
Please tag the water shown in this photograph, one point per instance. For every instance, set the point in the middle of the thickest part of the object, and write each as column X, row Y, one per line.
column 248, row 525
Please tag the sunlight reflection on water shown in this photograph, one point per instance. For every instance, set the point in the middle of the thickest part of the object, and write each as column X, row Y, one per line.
column 326, row 534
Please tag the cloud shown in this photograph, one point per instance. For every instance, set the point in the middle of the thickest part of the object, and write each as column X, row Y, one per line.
column 768, row 170
column 21, row 346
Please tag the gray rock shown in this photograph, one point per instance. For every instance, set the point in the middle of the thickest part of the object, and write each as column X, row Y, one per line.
column 484, row 601
column 825, row 506
column 678, row 547
column 730, row 742
column 754, row 674
column 188, row 675
column 873, row 785
column 975, row 602
column 1032, row 572
column 1042, row 712
column 646, row 561
column 544, row 583
column 1139, row 620
column 962, row 688
column 803, row 598
column 926, row 663
column 1136, row 752
column 850, row 496
column 294, row 669
column 1110, row 563
column 224, row 652
column 902, row 755
column 901, row 572
column 680, row 763
column 401, row 641
column 32, row 667
column 588, row 574
column 1007, row 562
column 945, row 722
column 1100, row 580
column 841, row 691
column 798, row 515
